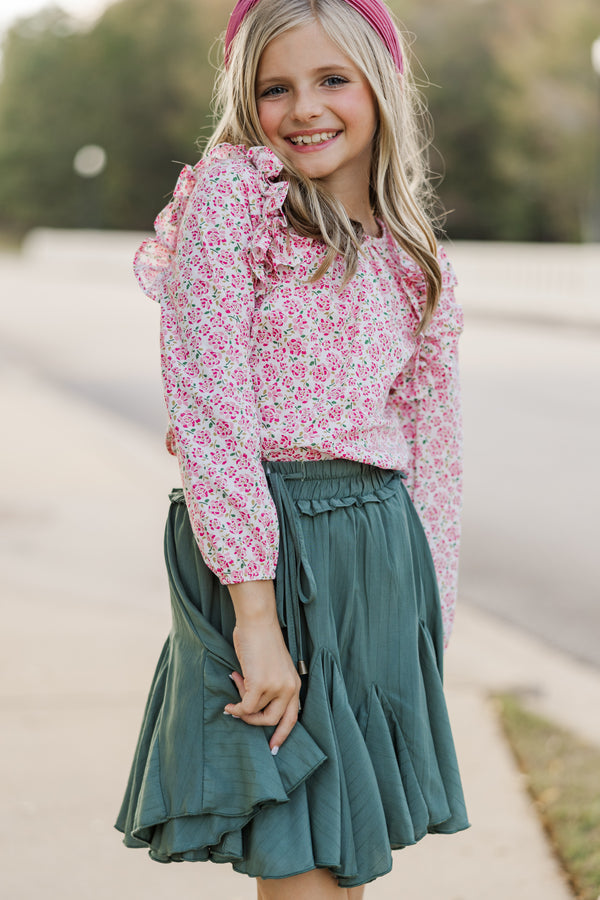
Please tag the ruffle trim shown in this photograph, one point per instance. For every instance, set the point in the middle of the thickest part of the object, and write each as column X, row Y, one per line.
column 269, row 245
column 305, row 808
column 233, row 772
column 318, row 506
column 448, row 316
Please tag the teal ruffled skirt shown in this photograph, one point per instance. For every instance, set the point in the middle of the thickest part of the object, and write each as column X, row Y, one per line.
column 370, row 766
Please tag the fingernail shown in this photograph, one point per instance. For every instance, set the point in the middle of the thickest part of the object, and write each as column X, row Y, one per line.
column 274, row 750
column 225, row 713
column 232, row 678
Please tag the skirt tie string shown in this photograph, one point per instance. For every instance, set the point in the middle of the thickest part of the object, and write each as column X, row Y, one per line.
column 295, row 585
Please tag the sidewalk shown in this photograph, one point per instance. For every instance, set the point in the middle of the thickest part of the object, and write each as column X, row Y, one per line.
column 86, row 611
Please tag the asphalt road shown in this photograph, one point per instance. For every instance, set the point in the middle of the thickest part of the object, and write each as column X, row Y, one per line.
column 532, row 429
column 532, row 446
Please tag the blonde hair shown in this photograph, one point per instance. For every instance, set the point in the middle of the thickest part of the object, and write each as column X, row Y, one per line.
column 399, row 188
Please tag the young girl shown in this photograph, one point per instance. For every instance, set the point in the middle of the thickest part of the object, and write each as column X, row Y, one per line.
column 296, row 726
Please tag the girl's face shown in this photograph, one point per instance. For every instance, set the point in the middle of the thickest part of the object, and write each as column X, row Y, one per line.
column 318, row 111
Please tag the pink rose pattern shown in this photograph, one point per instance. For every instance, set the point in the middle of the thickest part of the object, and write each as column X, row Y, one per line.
column 258, row 363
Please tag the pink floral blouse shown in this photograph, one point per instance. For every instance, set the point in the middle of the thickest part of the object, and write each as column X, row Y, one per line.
column 259, row 363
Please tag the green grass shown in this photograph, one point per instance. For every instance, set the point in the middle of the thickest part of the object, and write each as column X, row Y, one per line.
column 563, row 777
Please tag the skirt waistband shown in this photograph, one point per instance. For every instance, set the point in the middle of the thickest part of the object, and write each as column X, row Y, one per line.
column 329, row 480
column 319, row 469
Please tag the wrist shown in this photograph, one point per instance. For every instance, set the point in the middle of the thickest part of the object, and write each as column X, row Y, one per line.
column 253, row 601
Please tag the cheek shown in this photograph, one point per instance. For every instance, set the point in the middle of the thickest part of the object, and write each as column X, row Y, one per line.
column 363, row 112
column 269, row 119
column 359, row 113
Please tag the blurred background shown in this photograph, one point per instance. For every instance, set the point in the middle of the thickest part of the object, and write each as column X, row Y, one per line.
column 513, row 93
column 100, row 104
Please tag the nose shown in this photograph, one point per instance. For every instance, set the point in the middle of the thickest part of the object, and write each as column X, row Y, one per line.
column 307, row 105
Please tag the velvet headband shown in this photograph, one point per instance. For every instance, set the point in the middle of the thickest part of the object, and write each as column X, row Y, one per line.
column 373, row 11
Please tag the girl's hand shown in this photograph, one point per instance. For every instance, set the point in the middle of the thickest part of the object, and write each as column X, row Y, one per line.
column 269, row 685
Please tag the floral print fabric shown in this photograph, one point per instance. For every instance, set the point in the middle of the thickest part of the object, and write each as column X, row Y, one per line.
column 260, row 363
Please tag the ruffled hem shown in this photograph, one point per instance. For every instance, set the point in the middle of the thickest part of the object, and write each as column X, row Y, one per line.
column 269, row 246
column 305, row 808
column 239, row 778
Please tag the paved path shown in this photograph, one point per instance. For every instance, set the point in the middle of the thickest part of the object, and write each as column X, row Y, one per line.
column 84, row 606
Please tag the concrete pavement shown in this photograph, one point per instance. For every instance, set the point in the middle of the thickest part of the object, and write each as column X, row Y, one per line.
column 85, row 612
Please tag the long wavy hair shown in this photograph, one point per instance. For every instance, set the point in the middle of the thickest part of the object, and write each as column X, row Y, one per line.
column 400, row 190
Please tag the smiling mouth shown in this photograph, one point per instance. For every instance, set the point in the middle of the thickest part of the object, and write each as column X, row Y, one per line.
column 321, row 137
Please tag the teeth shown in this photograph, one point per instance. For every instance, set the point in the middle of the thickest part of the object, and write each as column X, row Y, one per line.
column 313, row 138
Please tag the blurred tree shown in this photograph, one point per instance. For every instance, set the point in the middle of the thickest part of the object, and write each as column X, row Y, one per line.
column 152, row 94
column 37, row 142
column 549, row 117
column 138, row 84
column 511, row 92
column 462, row 95
column 513, row 101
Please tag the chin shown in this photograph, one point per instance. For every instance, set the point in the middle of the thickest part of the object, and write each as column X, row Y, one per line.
column 314, row 171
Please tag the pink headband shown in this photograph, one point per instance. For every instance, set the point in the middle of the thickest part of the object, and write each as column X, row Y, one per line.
column 373, row 11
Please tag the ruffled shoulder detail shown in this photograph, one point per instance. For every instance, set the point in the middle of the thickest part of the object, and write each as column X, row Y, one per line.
column 152, row 261
column 411, row 280
column 448, row 315
column 268, row 246
column 449, row 279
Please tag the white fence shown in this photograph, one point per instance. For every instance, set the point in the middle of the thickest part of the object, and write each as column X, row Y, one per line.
column 539, row 282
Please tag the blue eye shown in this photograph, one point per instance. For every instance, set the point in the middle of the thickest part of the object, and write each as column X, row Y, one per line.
column 274, row 91
column 335, row 80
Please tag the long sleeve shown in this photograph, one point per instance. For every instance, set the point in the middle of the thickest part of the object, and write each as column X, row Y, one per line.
column 426, row 396
column 206, row 314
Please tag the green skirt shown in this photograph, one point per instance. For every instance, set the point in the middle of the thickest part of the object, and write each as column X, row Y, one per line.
column 370, row 766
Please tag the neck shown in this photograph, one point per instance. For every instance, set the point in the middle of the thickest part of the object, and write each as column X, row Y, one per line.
column 370, row 227
column 359, row 210
column 366, row 218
